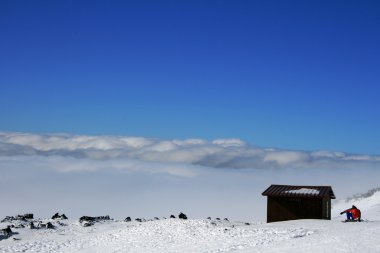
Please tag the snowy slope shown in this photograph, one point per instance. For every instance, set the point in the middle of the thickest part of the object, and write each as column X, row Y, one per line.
column 368, row 203
column 197, row 235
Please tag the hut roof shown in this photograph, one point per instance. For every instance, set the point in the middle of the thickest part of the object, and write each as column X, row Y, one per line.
column 276, row 190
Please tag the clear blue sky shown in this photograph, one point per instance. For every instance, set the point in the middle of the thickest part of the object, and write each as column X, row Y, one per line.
column 290, row 74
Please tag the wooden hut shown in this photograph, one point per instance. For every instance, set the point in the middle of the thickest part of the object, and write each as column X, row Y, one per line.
column 293, row 202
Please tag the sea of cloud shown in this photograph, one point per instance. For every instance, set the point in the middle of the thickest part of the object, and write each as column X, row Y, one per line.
column 137, row 176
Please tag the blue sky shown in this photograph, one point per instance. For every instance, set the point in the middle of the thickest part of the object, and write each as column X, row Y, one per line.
column 298, row 75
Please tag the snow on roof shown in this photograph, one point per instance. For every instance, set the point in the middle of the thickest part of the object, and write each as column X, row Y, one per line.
column 276, row 190
column 304, row 191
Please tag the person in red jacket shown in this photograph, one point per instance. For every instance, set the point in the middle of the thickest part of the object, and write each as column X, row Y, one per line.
column 353, row 214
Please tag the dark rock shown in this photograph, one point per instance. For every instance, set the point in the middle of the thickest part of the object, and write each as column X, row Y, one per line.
column 28, row 216
column 209, row 218
column 7, row 219
column 94, row 219
column 87, row 223
column 172, row 216
column 138, row 219
column 226, row 219
column 18, row 217
column 217, row 218
column 7, row 231
column 247, row 223
column 156, row 218
column 31, row 225
column 182, row 216
column 59, row 217
column 61, row 224
column 86, row 218
column 46, row 225
column 49, row 225
column 128, row 219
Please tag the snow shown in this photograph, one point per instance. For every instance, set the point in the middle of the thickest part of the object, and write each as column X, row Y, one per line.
column 304, row 191
column 369, row 207
column 174, row 235
column 203, row 235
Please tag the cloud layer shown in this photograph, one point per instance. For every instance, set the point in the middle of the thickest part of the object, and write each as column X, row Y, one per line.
column 220, row 153
column 147, row 177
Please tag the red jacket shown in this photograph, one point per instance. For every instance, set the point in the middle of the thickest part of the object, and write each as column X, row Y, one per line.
column 355, row 212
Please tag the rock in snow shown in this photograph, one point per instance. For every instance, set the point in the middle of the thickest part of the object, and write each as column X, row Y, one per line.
column 182, row 216
column 24, row 217
column 6, row 231
column 59, row 217
column 87, row 221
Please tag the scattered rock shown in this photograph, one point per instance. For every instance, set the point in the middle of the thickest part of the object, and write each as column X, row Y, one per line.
column 156, row 218
column 28, row 216
column 49, row 225
column 86, row 218
column 247, row 223
column 87, row 223
column 45, row 225
column 24, row 217
column 226, row 219
column 182, row 216
column 172, row 216
column 59, row 217
column 7, row 231
column 61, row 224
column 95, row 219
column 7, row 219
column 31, row 225
column 128, row 219
column 217, row 218
column 209, row 218
column 138, row 219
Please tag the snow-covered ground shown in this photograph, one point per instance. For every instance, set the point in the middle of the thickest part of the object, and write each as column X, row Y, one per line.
column 202, row 235
column 369, row 205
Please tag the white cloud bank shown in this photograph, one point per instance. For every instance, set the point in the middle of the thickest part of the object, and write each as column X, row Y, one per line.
column 221, row 153
column 146, row 177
